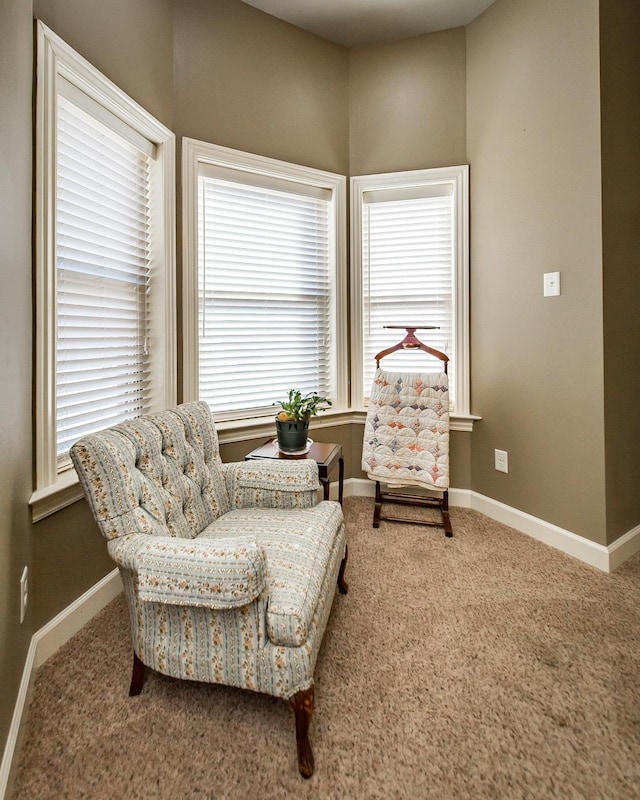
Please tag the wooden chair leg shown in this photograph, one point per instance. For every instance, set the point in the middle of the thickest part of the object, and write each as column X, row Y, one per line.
column 446, row 524
column 302, row 703
column 137, row 676
column 446, row 519
column 378, row 506
column 342, row 584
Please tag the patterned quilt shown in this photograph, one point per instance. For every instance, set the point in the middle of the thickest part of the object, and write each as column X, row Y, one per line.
column 406, row 434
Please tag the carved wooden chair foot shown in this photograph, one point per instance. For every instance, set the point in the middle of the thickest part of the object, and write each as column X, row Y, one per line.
column 302, row 703
column 137, row 676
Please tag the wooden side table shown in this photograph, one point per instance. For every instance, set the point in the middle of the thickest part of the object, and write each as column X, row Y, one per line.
column 325, row 455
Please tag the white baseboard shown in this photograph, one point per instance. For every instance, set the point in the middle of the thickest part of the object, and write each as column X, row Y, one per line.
column 604, row 558
column 577, row 546
column 75, row 616
column 44, row 643
column 355, row 487
column 15, row 729
column 623, row 548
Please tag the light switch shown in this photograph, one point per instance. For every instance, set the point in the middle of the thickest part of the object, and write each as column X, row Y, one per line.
column 551, row 284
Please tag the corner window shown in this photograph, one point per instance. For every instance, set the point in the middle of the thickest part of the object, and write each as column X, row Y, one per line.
column 410, row 267
column 264, row 284
column 104, row 262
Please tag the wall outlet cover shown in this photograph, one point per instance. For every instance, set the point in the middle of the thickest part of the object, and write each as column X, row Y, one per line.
column 24, row 593
column 502, row 460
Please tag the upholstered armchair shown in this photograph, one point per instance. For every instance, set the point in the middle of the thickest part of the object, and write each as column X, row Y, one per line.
column 229, row 569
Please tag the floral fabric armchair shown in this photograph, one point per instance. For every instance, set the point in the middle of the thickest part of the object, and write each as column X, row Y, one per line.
column 229, row 569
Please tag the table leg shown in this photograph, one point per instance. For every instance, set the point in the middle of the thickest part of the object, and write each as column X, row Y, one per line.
column 340, row 478
column 326, row 483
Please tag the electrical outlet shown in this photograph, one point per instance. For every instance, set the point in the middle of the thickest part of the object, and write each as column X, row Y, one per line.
column 502, row 461
column 24, row 593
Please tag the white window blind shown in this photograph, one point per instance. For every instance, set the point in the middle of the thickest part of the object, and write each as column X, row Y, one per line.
column 264, row 292
column 408, row 269
column 103, row 266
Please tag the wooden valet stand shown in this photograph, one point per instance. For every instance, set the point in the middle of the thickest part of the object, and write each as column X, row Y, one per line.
column 411, row 342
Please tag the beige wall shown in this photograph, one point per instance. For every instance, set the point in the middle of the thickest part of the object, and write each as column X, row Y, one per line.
column 15, row 343
column 407, row 104
column 620, row 96
column 69, row 557
column 249, row 81
column 533, row 142
column 129, row 41
column 407, row 110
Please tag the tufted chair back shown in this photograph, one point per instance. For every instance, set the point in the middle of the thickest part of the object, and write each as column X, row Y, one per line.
column 159, row 474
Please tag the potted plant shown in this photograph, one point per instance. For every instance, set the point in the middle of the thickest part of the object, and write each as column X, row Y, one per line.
column 292, row 423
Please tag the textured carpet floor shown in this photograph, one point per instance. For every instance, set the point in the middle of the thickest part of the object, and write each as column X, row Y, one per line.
column 483, row 666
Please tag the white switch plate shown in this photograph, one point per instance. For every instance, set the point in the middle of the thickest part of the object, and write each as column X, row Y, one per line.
column 551, row 284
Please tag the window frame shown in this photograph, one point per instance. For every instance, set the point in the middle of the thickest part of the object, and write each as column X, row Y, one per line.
column 458, row 178
column 196, row 153
column 56, row 60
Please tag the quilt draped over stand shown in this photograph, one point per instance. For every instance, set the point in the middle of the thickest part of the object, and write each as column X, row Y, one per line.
column 406, row 435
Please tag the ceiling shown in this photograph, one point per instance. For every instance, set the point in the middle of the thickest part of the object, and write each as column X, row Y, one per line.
column 354, row 22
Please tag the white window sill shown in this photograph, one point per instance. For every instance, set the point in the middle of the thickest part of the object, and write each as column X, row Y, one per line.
column 462, row 422
column 244, row 429
column 65, row 491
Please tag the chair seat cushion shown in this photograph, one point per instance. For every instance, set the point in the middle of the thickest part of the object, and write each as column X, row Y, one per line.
column 298, row 546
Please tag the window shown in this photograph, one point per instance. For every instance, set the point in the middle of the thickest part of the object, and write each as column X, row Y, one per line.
column 104, row 263
column 410, row 267
column 263, row 256
column 103, row 259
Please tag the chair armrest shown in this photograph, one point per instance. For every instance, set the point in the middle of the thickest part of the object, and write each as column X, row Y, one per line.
column 211, row 573
column 124, row 550
column 270, row 483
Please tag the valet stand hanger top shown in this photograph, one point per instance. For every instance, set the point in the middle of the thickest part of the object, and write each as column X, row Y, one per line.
column 411, row 342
